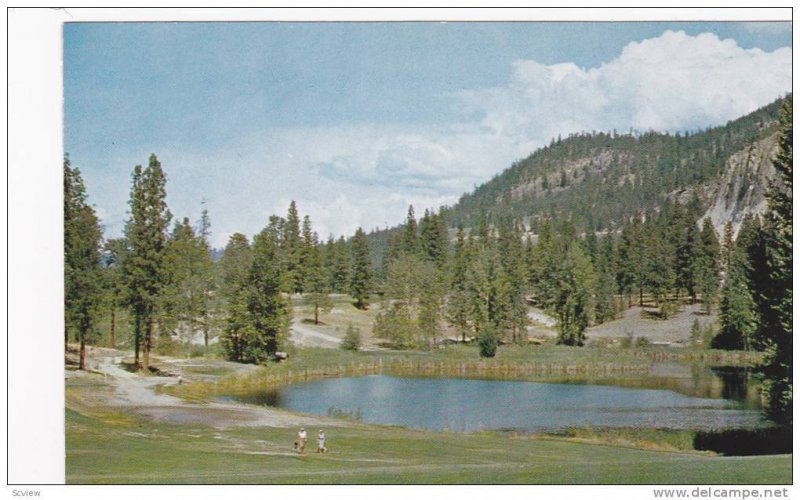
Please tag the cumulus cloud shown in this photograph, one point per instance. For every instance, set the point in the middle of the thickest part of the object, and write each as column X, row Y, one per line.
column 674, row 82
column 366, row 175
column 669, row 83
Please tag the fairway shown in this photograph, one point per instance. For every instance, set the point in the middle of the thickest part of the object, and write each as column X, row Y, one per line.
column 127, row 451
column 122, row 429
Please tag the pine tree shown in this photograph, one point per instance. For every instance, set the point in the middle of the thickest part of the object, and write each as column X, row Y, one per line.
column 268, row 312
column 658, row 255
column 361, row 272
column 777, row 366
column 291, row 252
column 684, row 237
column 410, row 241
column 189, row 280
column 605, row 303
column 316, row 277
column 235, row 265
column 707, row 266
column 737, row 311
column 182, row 294
column 114, row 254
column 458, row 301
column 727, row 245
column 573, row 299
column 207, row 277
column 513, row 279
column 433, row 238
column 82, row 235
column 633, row 259
column 402, row 289
column 341, row 267
column 146, row 231
column 752, row 241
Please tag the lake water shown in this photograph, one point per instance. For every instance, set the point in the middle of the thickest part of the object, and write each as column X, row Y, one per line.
column 469, row 404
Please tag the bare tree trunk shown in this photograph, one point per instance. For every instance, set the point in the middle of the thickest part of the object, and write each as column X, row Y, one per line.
column 316, row 314
column 137, row 338
column 147, row 340
column 205, row 335
column 66, row 339
column 111, row 340
column 82, row 362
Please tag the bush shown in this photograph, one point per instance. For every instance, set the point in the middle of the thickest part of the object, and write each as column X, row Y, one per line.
column 642, row 342
column 487, row 343
column 352, row 339
column 668, row 309
column 627, row 341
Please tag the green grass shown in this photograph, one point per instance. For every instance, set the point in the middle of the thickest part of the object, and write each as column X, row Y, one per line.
column 628, row 367
column 125, row 450
column 635, row 437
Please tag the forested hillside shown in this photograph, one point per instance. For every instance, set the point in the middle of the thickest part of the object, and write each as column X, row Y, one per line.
column 598, row 180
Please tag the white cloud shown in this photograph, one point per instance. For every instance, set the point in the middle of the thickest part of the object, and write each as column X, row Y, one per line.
column 367, row 175
column 673, row 82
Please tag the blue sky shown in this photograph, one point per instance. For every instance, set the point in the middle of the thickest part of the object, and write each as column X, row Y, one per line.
column 357, row 120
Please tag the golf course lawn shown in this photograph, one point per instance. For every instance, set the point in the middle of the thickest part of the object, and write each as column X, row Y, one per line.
column 119, row 449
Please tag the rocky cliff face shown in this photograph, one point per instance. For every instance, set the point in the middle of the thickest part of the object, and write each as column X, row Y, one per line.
column 742, row 187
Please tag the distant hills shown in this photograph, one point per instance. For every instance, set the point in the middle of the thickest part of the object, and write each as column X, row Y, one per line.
column 598, row 180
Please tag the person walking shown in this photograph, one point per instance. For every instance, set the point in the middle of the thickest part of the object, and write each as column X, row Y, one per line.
column 302, row 439
column 321, row 442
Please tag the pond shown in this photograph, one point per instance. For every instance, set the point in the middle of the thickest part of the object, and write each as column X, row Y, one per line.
column 467, row 405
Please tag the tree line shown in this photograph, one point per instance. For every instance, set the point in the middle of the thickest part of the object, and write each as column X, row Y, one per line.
column 480, row 280
column 171, row 287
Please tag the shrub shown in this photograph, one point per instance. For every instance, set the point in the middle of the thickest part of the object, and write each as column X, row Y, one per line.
column 627, row 341
column 352, row 339
column 487, row 343
column 668, row 309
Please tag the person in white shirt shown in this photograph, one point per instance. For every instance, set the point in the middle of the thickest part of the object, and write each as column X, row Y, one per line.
column 302, row 439
column 321, row 442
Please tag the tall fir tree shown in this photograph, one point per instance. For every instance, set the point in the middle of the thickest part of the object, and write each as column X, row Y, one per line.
column 361, row 270
column 458, row 301
column 737, row 310
column 433, row 238
column 315, row 288
column 410, row 240
column 633, row 259
column 341, row 267
column 707, row 264
column 777, row 366
column 146, row 231
column 114, row 253
column 513, row 278
column 573, row 299
column 82, row 237
column 291, row 249
column 208, row 277
column 268, row 311
column 235, row 265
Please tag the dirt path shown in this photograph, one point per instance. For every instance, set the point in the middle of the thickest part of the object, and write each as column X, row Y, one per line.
column 136, row 393
column 675, row 330
column 306, row 336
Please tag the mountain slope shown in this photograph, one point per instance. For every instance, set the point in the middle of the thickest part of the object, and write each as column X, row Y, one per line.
column 599, row 180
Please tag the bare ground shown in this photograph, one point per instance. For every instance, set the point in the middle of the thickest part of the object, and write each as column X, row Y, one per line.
column 136, row 393
column 675, row 330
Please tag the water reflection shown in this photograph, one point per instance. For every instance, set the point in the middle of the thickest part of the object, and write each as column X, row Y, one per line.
column 683, row 398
